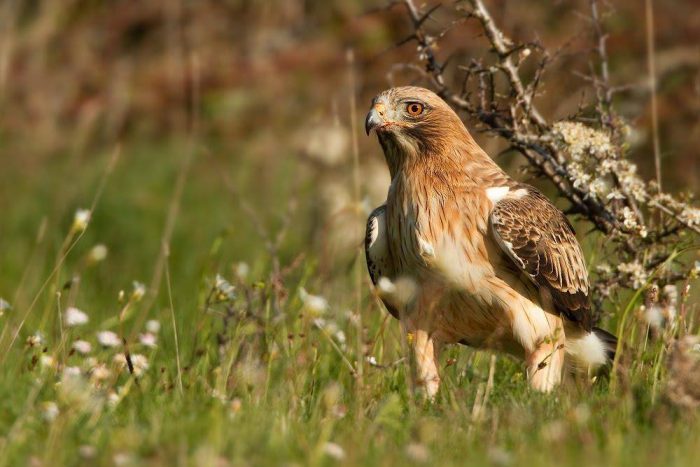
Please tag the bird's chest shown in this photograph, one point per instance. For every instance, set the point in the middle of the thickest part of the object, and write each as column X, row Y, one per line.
column 438, row 237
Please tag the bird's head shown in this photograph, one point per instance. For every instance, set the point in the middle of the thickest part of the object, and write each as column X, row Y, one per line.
column 412, row 119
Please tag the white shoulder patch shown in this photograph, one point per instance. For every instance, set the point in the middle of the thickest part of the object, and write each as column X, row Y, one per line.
column 519, row 193
column 497, row 193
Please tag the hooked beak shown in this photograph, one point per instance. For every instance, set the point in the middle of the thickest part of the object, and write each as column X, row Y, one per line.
column 373, row 120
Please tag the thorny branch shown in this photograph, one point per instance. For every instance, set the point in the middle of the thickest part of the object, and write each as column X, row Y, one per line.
column 587, row 165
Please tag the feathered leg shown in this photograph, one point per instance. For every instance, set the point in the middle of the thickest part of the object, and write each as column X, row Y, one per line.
column 419, row 324
column 427, row 352
column 546, row 362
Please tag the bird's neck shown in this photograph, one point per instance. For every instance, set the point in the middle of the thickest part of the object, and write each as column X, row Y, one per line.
column 458, row 165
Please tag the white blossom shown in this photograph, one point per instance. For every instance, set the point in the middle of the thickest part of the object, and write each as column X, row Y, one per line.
column 99, row 373
column 71, row 372
column 148, row 339
column 4, row 306
column 225, row 291
column 82, row 347
column 49, row 411
column 139, row 362
column 314, row 304
column 153, row 326
column 74, row 317
column 242, row 270
column 35, row 340
column 108, row 339
column 582, row 140
column 47, row 361
column 635, row 271
column 691, row 216
column 138, row 290
column 97, row 253
column 81, row 219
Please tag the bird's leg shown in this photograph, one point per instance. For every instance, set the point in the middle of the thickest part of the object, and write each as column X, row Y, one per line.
column 545, row 363
column 426, row 351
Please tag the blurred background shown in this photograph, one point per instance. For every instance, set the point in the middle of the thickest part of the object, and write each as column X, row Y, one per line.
column 240, row 118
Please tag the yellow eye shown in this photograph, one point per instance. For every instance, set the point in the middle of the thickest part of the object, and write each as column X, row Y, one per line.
column 414, row 108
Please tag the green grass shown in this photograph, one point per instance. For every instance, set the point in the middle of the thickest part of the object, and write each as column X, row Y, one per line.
column 258, row 382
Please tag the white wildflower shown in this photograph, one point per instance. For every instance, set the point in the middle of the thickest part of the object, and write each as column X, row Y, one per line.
column 653, row 316
column 314, row 304
column 49, row 411
column 328, row 326
column 225, row 291
column 608, row 166
column 35, row 340
column 139, row 362
column 371, row 360
column 74, row 317
column 630, row 181
column 340, row 336
column 334, row 450
column 81, row 219
column 582, row 140
column 97, row 253
column 600, row 188
column 108, row 339
column 615, row 194
column 138, row 290
column 47, row 361
column 629, row 218
column 113, row 399
column 82, row 347
column 4, row 306
column 148, row 339
column 153, row 326
column 71, row 372
column 669, row 302
column 99, row 373
column 635, row 271
column 242, row 270
column 691, row 216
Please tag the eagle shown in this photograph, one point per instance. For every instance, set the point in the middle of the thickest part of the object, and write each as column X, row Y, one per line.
column 462, row 253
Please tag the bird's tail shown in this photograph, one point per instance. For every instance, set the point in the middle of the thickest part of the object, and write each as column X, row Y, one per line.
column 592, row 350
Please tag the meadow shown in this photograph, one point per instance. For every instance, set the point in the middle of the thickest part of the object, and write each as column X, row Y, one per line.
column 183, row 280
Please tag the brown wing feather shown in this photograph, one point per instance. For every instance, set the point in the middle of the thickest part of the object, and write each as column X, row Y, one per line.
column 542, row 243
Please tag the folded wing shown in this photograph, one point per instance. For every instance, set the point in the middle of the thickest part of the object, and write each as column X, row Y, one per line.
column 377, row 252
column 541, row 242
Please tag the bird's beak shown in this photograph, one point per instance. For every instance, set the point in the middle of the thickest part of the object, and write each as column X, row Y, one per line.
column 373, row 120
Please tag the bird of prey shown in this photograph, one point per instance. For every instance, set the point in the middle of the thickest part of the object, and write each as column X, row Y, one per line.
column 462, row 253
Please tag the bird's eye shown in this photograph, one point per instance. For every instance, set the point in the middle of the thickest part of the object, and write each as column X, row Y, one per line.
column 414, row 108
